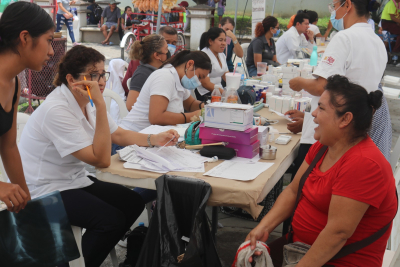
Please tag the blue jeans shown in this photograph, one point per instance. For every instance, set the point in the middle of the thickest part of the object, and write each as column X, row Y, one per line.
column 68, row 23
column 146, row 194
column 252, row 70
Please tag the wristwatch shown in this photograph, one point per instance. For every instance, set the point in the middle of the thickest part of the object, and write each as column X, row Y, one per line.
column 235, row 42
column 148, row 140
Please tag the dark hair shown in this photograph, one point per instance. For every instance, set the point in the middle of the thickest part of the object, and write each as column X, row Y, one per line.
column 313, row 16
column 226, row 20
column 264, row 26
column 168, row 30
column 349, row 97
column 144, row 50
column 127, row 8
column 211, row 34
column 12, row 24
column 75, row 61
column 91, row 1
column 300, row 18
column 363, row 7
column 201, row 59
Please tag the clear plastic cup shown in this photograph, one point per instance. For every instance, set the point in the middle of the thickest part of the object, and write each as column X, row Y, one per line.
column 320, row 41
column 261, row 68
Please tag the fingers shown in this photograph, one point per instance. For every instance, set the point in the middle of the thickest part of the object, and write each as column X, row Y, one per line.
column 80, row 91
column 16, row 203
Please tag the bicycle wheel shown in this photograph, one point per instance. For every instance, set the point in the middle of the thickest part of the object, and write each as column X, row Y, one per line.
column 127, row 46
column 181, row 43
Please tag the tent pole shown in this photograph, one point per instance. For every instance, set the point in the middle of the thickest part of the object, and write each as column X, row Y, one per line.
column 236, row 10
column 159, row 15
column 273, row 8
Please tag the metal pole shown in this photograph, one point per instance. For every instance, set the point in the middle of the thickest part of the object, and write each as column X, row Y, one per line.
column 159, row 15
column 273, row 8
column 236, row 10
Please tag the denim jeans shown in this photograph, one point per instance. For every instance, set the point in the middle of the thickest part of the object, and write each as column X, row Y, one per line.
column 68, row 23
column 252, row 71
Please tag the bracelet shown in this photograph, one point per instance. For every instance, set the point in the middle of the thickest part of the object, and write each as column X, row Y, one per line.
column 184, row 116
column 148, row 140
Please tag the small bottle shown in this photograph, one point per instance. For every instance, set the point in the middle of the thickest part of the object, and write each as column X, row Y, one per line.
column 216, row 95
column 314, row 56
column 239, row 69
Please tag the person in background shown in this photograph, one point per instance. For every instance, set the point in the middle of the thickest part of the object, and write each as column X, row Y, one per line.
column 125, row 22
column 152, row 52
column 262, row 48
column 213, row 43
column 93, row 20
column 22, row 45
column 232, row 43
column 391, row 22
column 211, row 3
column 171, row 37
column 313, row 25
column 221, row 9
column 185, row 5
column 372, row 23
column 290, row 24
column 349, row 195
column 64, row 16
column 294, row 38
column 66, row 132
column 113, row 15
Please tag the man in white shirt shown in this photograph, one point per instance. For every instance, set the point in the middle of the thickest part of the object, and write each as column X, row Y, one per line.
column 294, row 38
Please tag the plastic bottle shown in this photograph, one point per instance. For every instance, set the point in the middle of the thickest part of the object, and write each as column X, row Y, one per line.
column 314, row 57
column 239, row 69
column 216, row 95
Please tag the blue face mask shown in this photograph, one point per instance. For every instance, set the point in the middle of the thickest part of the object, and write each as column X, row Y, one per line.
column 171, row 49
column 337, row 23
column 277, row 33
column 191, row 83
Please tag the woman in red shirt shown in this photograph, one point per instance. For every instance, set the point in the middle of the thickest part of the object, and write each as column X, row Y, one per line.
column 350, row 193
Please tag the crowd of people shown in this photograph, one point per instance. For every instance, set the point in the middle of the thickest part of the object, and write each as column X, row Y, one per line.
column 345, row 146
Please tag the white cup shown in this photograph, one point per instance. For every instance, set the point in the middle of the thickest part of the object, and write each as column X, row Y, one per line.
column 233, row 80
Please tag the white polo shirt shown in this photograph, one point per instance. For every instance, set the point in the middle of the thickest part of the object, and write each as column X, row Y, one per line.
column 55, row 130
column 288, row 43
column 164, row 82
column 217, row 70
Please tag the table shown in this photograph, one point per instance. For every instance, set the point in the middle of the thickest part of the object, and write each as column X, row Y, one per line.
column 241, row 194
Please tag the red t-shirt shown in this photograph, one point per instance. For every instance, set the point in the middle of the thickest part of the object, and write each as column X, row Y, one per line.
column 362, row 174
column 129, row 73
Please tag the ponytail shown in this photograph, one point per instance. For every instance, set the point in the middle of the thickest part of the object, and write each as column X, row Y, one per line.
column 211, row 34
column 201, row 59
column 144, row 50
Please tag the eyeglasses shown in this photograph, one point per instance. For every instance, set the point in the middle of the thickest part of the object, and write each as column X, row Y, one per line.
column 331, row 6
column 277, row 27
column 97, row 76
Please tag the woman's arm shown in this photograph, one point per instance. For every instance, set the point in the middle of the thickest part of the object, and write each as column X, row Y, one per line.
column 393, row 17
column 257, row 58
column 344, row 216
column 131, row 99
column 159, row 115
column 192, row 104
column 328, row 30
column 124, row 137
column 97, row 154
column 206, row 83
column 275, row 59
column 313, row 86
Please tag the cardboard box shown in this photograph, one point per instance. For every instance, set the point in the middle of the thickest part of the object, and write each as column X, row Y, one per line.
column 289, row 76
column 263, row 132
column 301, row 104
column 243, row 151
column 228, row 116
column 288, row 70
column 221, row 135
column 278, row 104
column 272, row 101
column 286, row 104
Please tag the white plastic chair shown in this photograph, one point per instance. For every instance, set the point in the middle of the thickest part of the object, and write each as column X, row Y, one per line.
column 391, row 258
column 110, row 95
column 22, row 119
column 245, row 47
column 80, row 262
column 128, row 82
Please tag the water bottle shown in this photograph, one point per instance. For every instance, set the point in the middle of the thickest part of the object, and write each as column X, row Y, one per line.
column 314, row 56
column 239, row 69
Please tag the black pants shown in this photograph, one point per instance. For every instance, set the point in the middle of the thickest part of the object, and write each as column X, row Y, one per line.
column 106, row 211
column 303, row 150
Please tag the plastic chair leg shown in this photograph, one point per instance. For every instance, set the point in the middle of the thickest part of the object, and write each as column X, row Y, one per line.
column 80, row 262
column 114, row 259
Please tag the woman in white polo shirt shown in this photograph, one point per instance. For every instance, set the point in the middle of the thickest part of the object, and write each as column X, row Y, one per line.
column 66, row 132
column 213, row 43
column 165, row 98
column 357, row 53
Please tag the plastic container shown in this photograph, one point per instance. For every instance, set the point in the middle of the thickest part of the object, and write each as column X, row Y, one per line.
column 240, row 70
column 233, row 80
column 261, row 68
column 216, row 95
column 314, row 56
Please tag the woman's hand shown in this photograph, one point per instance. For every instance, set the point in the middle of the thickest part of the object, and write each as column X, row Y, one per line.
column 295, row 114
column 13, row 196
column 296, row 84
column 192, row 114
column 81, row 88
column 163, row 138
column 259, row 233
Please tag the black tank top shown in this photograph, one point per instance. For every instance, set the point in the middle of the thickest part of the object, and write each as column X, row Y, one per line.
column 6, row 118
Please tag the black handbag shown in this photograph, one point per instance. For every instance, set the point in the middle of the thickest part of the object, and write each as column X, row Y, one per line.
column 247, row 94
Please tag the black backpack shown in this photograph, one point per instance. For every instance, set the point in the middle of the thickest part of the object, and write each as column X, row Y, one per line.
column 247, row 94
column 97, row 12
column 135, row 240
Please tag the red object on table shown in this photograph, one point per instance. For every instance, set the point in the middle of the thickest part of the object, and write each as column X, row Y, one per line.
column 264, row 96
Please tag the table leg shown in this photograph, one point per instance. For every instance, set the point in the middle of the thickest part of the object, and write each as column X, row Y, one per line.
column 214, row 222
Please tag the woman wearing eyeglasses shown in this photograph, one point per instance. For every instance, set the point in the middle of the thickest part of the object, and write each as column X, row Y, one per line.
column 66, row 132
column 262, row 48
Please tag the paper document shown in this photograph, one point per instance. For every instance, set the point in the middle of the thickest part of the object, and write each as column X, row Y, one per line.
column 282, row 115
column 238, row 171
column 156, row 129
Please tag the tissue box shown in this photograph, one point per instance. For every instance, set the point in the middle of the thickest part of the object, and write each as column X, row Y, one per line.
column 263, row 134
column 243, row 151
column 228, row 116
column 278, row 104
column 221, row 135
column 272, row 101
column 286, row 104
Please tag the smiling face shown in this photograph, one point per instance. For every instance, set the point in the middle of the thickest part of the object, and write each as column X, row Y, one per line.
column 219, row 44
column 37, row 51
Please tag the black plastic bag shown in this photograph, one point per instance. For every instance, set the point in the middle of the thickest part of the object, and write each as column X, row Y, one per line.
column 180, row 212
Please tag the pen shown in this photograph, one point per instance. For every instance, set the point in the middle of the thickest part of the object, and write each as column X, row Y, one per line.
column 166, row 144
column 90, row 96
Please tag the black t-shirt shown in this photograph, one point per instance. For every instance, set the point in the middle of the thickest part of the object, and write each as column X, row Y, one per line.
column 260, row 45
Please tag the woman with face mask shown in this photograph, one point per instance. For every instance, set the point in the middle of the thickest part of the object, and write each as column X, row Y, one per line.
column 152, row 53
column 357, row 53
column 165, row 96
column 262, row 48
column 213, row 43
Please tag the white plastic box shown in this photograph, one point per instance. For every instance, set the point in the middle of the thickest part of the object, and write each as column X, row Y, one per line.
column 228, row 116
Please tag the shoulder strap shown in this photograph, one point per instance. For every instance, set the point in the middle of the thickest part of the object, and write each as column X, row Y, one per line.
column 16, row 91
column 303, row 179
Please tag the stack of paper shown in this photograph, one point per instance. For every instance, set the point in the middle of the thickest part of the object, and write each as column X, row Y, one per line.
column 161, row 161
